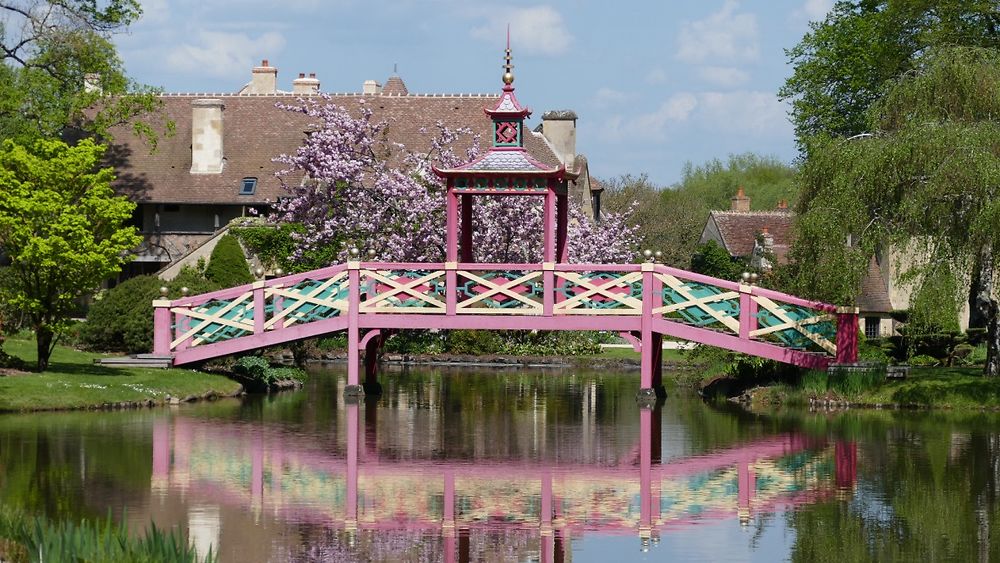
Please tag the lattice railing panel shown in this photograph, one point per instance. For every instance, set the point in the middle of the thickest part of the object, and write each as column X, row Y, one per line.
column 403, row 291
column 509, row 292
column 597, row 293
column 795, row 326
column 214, row 321
column 699, row 304
column 307, row 301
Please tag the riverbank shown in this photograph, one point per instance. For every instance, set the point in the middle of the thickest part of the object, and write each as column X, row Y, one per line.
column 936, row 388
column 75, row 382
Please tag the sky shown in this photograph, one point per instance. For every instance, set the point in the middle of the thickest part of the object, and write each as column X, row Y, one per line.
column 655, row 83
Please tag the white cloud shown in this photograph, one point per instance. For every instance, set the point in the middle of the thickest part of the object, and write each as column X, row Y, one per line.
column 656, row 76
column 746, row 112
column 814, row 10
column 224, row 54
column 726, row 76
column 743, row 112
column 606, row 97
column 535, row 30
column 723, row 35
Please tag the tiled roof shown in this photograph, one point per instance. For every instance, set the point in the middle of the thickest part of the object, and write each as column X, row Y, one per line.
column 874, row 295
column 395, row 87
column 255, row 131
column 739, row 230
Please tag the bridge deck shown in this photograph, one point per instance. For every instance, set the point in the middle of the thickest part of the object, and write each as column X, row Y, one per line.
column 643, row 301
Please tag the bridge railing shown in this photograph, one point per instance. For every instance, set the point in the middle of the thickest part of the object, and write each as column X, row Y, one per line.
column 458, row 289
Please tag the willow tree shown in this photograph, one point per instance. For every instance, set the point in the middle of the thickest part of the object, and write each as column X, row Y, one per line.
column 924, row 180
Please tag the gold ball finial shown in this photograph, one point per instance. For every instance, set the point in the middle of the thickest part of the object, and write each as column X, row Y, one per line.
column 508, row 77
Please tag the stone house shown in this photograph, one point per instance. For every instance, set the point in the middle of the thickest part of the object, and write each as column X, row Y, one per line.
column 218, row 164
column 755, row 235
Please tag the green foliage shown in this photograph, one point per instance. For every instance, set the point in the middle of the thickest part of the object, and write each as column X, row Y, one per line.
column 63, row 229
column 814, row 382
column 853, row 382
column 713, row 260
column 928, row 183
column 923, row 360
column 843, row 63
column 703, row 188
column 100, row 540
column 228, row 265
column 122, row 319
column 50, row 52
column 934, row 305
column 477, row 342
column 274, row 245
column 260, row 375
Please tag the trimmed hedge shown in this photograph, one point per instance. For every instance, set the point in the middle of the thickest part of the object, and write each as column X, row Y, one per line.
column 122, row 320
column 228, row 266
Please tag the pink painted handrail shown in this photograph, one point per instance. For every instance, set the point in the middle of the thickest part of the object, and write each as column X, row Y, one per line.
column 617, row 306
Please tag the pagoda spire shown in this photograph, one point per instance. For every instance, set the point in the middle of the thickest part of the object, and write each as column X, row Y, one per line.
column 508, row 67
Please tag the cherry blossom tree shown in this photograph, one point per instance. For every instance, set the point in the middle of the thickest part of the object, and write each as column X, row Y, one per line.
column 350, row 186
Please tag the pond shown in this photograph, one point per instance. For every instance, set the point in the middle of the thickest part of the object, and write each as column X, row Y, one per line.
column 544, row 465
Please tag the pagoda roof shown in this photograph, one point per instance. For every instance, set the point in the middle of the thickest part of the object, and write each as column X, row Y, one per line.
column 504, row 161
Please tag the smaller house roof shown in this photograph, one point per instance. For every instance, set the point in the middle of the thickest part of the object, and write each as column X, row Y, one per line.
column 874, row 294
column 739, row 230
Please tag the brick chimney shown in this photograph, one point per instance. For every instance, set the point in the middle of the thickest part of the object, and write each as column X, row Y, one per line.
column 559, row 128
column 371, row 87
column 263, row 79
column 305, row 86
column 206, row 136
column 740, row 201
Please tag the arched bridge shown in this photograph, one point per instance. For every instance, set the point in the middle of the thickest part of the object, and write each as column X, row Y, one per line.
column 644, row 302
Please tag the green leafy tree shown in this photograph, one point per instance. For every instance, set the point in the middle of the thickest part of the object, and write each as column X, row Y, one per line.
column 228, row 266
column 60, row 69
column 671, row 220
column 843, row 63
column 713, row 260
column 927, row 181
column 62, row 228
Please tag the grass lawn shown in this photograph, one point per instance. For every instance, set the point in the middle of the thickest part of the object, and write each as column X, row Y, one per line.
column 958, row 388
column 940, row 387
column 73, row 381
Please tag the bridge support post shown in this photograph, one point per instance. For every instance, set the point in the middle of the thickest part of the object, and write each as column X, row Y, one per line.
column 353, row 331
column 651, row 348
column 847, row 335
column 161, row 327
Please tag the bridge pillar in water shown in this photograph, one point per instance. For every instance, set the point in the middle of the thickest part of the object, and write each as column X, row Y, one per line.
column 847, row 335
column 651, row 387
column 845, row 456
column 746, row 485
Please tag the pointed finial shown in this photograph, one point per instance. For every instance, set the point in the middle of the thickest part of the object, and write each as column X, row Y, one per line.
column 395, row 68
column 508, row 67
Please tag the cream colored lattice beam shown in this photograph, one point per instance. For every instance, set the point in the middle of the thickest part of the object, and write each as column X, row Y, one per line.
column 633, row 306
column 700, row 302
column 498, row 289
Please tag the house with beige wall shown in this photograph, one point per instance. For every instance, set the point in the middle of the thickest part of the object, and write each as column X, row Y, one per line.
column 218, row 165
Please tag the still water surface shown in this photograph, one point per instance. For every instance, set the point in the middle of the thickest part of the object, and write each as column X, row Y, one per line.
column 518, row 466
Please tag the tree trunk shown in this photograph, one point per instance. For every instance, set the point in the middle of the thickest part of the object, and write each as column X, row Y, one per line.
column 992, row 367
column 981, row 291
column 43, row 344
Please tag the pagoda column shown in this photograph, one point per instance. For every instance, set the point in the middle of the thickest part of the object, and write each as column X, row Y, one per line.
column 549, row 227
column 451, row 243
column 562, row 224
column 467, row 229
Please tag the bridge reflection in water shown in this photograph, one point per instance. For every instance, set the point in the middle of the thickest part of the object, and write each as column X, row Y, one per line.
column 543, row 503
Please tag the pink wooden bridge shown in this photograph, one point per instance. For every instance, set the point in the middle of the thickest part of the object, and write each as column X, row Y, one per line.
column 644, row 302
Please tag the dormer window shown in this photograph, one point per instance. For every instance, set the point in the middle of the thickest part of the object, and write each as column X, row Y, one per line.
column 249, row 186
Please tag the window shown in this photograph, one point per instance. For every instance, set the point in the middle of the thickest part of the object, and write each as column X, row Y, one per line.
column 872, row 327
column 249, row 186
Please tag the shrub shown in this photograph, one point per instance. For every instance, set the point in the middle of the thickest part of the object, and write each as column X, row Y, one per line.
column 923, row 360
column 257, row 374
column 122, row 320
column 228, row 266
column 474, row 342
